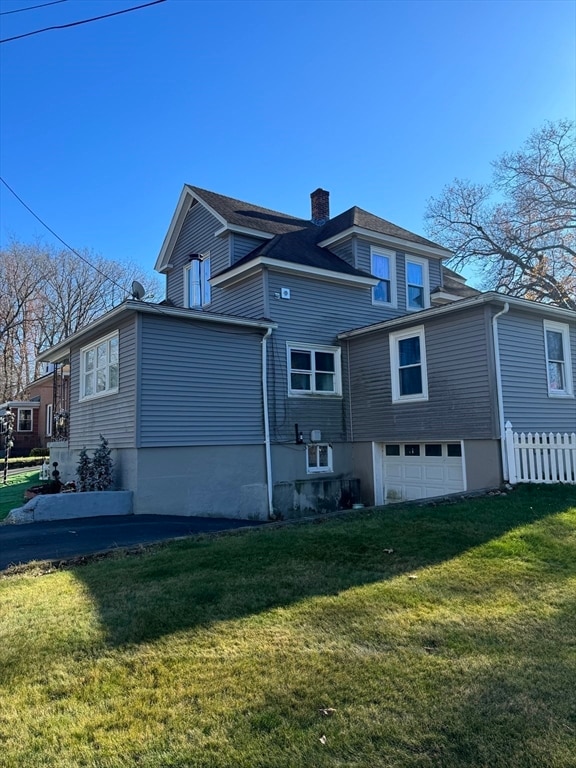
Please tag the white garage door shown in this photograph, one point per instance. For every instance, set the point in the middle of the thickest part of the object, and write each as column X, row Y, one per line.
column 421, row 470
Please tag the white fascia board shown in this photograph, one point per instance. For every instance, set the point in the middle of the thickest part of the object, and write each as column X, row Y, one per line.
column 238, row 230
column 186, row 198
column 443, row 296
column 396, row 242
column 500, row 299
column 61, row 351
column 245, row 270
column 20, row 404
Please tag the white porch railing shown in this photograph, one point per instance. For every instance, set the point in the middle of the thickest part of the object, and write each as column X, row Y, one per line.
column 540, row 457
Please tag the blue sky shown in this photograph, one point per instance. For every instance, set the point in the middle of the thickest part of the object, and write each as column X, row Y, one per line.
column 381, row 103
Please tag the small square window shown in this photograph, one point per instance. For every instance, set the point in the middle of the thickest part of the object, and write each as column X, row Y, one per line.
column 318, row 457
column 392, row 450
column 433, row 449
column 24, row 420
column 454, row 449
column 411, row 450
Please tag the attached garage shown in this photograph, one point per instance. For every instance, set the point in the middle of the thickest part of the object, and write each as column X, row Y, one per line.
column 405, row 471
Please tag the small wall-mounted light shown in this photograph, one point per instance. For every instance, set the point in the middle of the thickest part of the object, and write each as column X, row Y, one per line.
column 195, row 257
column 299, row 435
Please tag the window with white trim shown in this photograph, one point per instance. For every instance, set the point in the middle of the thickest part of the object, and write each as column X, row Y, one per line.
column 417, row 283
column 313, row 370
column 49, row 412
column 558, row 361
column 25, row 417
column 408, row 365
column 99, row 368
column 383, row 265
column 318, row 458
column 197, row 282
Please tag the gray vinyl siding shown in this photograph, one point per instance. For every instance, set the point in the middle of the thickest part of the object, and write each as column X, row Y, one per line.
column 241, row 246
column 315, row 313
column 461, row 399
column 346, row 251
column 113, row 416
column 200, row 384
column 524, row 382
column 245, row 298
column 196, row 236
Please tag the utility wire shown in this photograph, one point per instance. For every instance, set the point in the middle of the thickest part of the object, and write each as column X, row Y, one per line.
column 64, row 243
column 32, row 7
column 84, row 21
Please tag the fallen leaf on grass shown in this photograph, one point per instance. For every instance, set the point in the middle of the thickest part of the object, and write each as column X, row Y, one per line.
column 388, row 551
column 328, row 712
column 322, row 739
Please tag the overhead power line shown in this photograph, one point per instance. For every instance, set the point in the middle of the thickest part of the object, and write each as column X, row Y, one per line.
column 83, row 21
column 64, row 243
column 32, row 7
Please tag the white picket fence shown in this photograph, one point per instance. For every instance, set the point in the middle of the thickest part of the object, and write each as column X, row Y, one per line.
column 540, row 457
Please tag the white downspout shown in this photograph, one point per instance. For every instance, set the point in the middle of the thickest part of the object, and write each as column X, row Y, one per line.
column 500, row 397
column 267, row 421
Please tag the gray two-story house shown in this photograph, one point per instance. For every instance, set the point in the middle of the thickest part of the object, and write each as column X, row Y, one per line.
column 308, row 364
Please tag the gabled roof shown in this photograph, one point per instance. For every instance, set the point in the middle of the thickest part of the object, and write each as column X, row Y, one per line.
column 357, row 217
column 293, row 240
column 248, row 215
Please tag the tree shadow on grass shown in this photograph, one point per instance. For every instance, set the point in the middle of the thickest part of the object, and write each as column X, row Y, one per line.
column 203, row 580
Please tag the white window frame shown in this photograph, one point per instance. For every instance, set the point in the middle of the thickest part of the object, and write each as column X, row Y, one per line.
column 313, row 469
column 313, row 392
column 203, row 289
column 426, row 282
column 19, row 420
column 394, row 339
column 564, row 330
column 391, row 256
column 110, row 390
column 49, row 418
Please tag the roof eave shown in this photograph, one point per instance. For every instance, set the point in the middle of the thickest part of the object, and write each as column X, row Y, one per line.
column 237, row 274
column 60, row 352
column 394, row 242
column 490, row 297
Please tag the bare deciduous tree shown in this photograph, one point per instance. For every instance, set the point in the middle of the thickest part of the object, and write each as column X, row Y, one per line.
column 45, row 296
column 520, row 231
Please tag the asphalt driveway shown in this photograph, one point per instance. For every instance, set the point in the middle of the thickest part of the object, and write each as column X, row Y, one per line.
column 61, row 539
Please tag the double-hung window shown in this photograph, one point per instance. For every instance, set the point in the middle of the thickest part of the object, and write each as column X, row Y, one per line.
column 558, row 361
column 24, row 420
column 384, row 267
column 318, row 458
column 417, row 283
column 408, row 365
column 99, row 368
column 313, row 370
column 197, row 281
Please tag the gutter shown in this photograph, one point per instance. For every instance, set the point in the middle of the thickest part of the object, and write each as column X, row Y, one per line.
column 499, row 395
column 267, row 420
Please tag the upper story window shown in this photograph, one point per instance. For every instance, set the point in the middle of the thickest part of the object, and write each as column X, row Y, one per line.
column 24, row 423
column 408, row 365
column 197, row 282
column 314, row 370
column 99, row 368
column 417, row 283
column 558, row 362
column 384, row 267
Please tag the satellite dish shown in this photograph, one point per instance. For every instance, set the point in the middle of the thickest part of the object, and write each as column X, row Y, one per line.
column 138, row 290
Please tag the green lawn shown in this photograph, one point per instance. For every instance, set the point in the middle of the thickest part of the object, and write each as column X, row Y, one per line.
column 12, row 494
column 439, row 637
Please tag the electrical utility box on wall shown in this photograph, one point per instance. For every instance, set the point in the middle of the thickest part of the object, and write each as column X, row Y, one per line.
column 284, row 293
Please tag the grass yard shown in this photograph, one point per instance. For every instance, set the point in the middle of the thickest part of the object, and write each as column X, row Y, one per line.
column 432, row 637
column 12, row 494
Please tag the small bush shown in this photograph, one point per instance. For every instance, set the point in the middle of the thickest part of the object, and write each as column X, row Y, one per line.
column 40, row 452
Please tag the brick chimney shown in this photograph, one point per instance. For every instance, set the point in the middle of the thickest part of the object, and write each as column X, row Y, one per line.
column 320, row 206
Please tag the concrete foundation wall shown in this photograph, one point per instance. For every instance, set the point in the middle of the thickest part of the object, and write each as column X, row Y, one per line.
column 67, row 506
column 215, row 481
column 124, row 471
column 483, row 464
